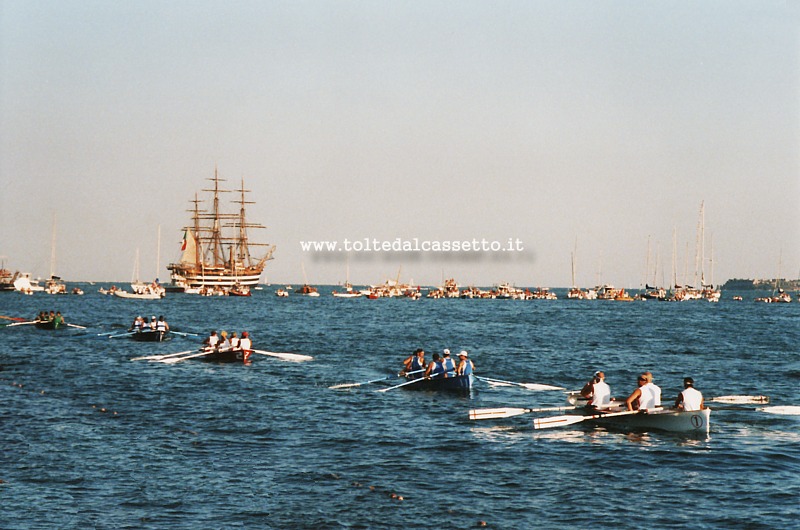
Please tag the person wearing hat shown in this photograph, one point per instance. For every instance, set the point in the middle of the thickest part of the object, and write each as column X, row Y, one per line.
column 246, row 346
column 449, row 364
column 465, row 366
column 690, row 398
column 597, row 392
column 414, row 364
column 153, row 322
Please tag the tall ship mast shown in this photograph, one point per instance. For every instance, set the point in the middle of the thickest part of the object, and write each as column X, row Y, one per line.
column 216, row 246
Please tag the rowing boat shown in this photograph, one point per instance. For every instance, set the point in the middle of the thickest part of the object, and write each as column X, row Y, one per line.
column 49, row 324
column 150, row 336
column 459, row 383
column 668, row 419
column 227, row 356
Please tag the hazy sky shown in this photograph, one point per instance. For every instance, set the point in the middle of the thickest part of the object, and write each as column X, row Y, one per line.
column 605, row 122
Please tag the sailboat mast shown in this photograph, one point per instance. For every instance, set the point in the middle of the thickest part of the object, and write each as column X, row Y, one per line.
column 53, row 249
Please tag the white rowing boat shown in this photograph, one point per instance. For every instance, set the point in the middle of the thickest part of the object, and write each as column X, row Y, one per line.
column 671, row 420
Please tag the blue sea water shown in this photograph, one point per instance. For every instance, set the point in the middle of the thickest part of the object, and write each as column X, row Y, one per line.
column 91, row 439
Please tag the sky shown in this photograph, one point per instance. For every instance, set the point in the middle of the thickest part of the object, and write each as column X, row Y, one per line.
column 593, row 129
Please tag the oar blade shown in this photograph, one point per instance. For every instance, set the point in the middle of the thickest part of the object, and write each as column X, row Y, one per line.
column 740, row 400
column 557, row 421
column 538, row 387
column 489, row 414
column 788, row 410
column 293, row 357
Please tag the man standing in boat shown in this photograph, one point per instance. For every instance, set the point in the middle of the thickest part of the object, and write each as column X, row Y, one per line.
column 597, row 392
column 690, row 398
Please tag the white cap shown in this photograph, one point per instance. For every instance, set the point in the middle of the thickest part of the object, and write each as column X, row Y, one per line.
column 446, row 351
column 464, row 353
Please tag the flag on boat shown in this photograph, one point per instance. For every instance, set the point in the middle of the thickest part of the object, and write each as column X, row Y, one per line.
column 183, row 245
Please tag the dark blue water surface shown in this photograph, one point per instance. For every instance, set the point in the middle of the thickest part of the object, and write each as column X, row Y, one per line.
column 91, row 439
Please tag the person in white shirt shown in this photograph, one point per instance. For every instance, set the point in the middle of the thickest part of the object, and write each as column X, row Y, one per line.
column 647, row 396
column 690, row 398
column 597, row 392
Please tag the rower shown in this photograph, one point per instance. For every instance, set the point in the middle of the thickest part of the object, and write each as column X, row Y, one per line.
column 690, row 398
column 597, row 392
column 435, row 368
column 246, row 345
column 449, row 364
column 211, row 341
column 647, row 396
column 161, row 325
column 138, row 322
column 465, row 366
column 234, row 341
column 414, row 363
column 153, row 323
column 224, row 344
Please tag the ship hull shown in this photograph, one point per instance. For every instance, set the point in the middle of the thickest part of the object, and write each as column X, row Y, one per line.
column 189, row 277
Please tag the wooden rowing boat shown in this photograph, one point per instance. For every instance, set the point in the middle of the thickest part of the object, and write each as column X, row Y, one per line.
column 227, row 356
column 150, row 336
column 668, row 419
column 49, row 324
column 459, row 383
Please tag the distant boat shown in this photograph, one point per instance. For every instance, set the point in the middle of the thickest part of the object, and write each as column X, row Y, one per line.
column 212, row 257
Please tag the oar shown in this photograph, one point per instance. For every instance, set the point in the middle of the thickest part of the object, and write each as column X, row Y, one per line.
column 350, row 385
column 18, row 319
column 561, row 421
column 785, row 409
column 739, row 400
column 182, row 334
column 406, row 383
column 173, row 360
column 122, row 334
column 529, row 386
column 76, row 326
column 509, row 412
column 295, row 357
column 23, row 323
column 157, row 357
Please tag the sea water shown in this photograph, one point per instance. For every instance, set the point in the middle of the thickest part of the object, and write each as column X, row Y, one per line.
column 91, row 439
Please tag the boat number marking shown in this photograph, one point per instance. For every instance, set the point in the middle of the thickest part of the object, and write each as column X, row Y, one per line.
column 697, row 421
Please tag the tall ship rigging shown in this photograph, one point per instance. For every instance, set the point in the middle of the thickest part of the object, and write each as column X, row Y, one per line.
column 216, row 246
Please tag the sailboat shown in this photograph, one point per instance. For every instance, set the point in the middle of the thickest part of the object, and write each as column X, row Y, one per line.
column 139, row 289
column 54, row 285
column 306, row 289
column 575, row 292
column 349, row 292
column 212, row 257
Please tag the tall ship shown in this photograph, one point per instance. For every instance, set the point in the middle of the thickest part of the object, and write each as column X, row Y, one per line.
column 216, row 248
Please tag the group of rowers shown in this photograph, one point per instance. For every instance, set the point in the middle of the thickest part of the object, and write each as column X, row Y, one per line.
column 415, row 366
column 143, row 324
column 646, row 396
column 52, row 316
column 222, row 342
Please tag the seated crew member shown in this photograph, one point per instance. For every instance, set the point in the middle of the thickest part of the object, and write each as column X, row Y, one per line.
column 449, row 364
column 414, row 364
column 465, row 366
column 647, row 396
column 211, row 341
column 597, row 392
column 224, row 343
column 162, row 325
column 234, row 341
column 435, row 368
column 690, row 398
column 246, row 345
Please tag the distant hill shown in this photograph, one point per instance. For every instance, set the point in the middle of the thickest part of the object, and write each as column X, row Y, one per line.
column 737, row 284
